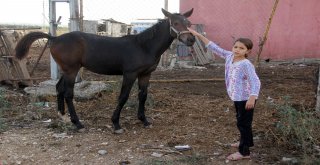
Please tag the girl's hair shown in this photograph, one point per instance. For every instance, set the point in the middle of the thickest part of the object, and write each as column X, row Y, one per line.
column 247, row 42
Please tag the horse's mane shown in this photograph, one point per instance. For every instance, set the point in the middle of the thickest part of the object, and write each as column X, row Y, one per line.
column 149, row 33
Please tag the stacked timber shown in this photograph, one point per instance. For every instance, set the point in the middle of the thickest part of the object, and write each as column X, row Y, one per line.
column 12, row 70
column 200, row 54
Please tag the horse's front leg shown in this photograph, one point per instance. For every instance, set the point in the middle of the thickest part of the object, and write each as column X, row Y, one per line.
column 143, row 82
column 127, row 83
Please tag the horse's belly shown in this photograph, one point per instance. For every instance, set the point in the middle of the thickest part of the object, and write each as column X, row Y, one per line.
column 105, row 70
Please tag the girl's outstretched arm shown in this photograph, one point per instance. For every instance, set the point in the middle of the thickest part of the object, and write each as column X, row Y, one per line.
column 211, row 45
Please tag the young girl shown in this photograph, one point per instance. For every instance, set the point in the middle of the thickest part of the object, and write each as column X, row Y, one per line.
column 243, row 86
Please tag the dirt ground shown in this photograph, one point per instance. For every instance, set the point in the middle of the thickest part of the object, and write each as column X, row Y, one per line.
column 183, row 112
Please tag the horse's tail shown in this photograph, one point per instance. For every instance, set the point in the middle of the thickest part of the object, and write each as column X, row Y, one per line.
column 25, row 42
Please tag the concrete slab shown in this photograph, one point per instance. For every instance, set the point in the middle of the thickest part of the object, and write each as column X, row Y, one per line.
column 82, row 91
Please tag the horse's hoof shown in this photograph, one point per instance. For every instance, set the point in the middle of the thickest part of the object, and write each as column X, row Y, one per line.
column 119, row 131
column 64, row 118
column 81, row 130
column 148, row 126
column 79, row 126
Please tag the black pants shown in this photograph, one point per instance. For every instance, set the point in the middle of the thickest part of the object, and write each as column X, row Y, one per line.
column 244, row 124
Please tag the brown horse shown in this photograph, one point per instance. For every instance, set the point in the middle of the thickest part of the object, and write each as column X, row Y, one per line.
column 133, row 56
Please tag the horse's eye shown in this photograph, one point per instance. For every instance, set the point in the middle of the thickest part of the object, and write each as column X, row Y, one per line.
column 188, row 23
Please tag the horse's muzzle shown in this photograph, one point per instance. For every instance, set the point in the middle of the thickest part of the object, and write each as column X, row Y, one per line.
column 191, row 41
column 187, row 38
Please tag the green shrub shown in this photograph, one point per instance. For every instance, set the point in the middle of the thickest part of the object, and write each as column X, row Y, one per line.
column 297, row 128
column 4, row 104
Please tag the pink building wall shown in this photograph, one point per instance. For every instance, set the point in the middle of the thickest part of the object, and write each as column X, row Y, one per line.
column 294, row 32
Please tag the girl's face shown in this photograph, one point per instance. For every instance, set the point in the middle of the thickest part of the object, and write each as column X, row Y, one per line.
column 240, row 50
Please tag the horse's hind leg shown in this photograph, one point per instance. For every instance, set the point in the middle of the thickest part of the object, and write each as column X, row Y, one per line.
column 60, row 87
column 143, row 82
column 69, row 81
column 127, row 84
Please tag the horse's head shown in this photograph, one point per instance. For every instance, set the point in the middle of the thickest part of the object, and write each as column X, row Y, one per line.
column 178, row 26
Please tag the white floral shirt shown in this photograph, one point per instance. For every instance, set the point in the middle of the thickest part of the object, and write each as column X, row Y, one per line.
column 241, row 78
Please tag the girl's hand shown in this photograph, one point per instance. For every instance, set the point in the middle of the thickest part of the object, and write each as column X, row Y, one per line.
column 250, row 103
column 201, row 37
column 194, row 32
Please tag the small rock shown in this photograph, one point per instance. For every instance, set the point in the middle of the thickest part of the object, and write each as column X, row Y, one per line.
column 216, row 153
column 47, row 121
column 284, row 159
column 122, row 141
column 158, row 155
column 182, row 147
column 104, row 143
column 102, row 152
column 61, row 135
column 46, row 104
column 290, row 160
column 219, row 143
column 125, row 162
column 226, row 110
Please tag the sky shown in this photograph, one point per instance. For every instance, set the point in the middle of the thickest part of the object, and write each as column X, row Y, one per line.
column 36, row 12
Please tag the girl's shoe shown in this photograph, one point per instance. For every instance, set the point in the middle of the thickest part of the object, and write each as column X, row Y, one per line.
column 237, row 156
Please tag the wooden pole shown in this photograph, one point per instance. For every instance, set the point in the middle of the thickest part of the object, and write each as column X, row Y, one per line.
column 41, row 54
column 318, row 92
column 264, row 39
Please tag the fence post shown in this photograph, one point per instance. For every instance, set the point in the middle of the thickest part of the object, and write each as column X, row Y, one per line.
column 162, row 62
column 53, row 31
column 74, row 15
column 75, row 26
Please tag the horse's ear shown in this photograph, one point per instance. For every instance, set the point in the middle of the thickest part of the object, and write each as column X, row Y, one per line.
column 166, row 13
column 188, row 13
